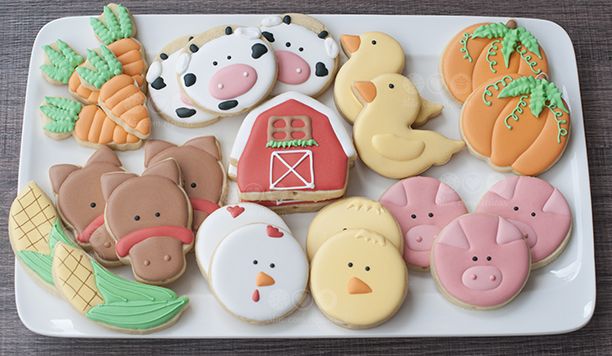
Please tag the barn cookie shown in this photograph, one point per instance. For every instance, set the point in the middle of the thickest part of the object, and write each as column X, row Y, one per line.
column 484, row 51
column 518, row 124
column 201, row 170
column 306, row 54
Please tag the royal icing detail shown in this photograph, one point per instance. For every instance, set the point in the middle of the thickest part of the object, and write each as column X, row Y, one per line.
column 257, row 277
column 537, row 208
column 61, row 60
column 480, row 261
column 422, row 206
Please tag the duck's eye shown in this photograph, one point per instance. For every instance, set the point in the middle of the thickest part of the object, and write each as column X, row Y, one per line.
column 136, row 217
column 350, row 264
column 413, row 216
column 367, row 268
column 193, row 184
column 533, row 213
column 254, row 262
column 489, row 258
column 474, row 258
column 515, row 208
column 430, row 215
column 92, row 204
column 215, row 63
column 301, row 49
column 272, row 265
column 391, row 86
column 373, row 42
column 157, row 214
column 287, row 44
column 344, row 228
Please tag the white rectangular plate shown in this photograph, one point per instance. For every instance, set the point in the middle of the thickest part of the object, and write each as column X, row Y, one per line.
column 558, row 298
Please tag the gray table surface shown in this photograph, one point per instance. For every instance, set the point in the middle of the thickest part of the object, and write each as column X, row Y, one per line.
column 589, row 24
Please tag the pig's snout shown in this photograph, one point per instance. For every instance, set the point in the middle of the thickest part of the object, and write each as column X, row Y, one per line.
column 420, row 238
column 482, row 277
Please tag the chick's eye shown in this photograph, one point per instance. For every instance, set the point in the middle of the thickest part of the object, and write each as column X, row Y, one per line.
column 92, row 204
column 391, row 86
column 193, row 184
column 350, row 264
column 367, row 268
column 373, row 42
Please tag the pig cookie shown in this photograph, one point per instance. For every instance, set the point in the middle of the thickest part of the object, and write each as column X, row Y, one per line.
column 81, row 205
column 480, row 261
column 165, row 92
column 259, row 273
column 352, row 213
column 358, row 279
column 306, row 54
column 422, row 206
column 538, row 209
column 202, row 172
column 227, row 70
column 149, row 217
column 225, row 220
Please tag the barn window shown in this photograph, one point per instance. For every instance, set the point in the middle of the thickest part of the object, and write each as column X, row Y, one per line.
column 290, row 131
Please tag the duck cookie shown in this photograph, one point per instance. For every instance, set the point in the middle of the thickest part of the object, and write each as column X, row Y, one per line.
column 358, row 279
column 306, row 54
column 382, row 131
column 422, row 206
column 485, row 51
column 149, row 217
column 166, row 94
column 518, row 124
column 81, row 204
column 201, row 170
column 259, row 273
column 293, row 149
column 352, row 213
column 538, row 209
column 227, row 70
column 480, row 261
column 225, row 220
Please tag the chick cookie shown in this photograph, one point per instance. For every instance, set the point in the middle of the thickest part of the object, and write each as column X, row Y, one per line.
column 358, row 279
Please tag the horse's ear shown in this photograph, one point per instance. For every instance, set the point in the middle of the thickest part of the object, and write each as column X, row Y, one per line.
column 110, row 181
column 104, row 155
column 153, row 147
column 205, row 143
column 59, row 173
column 167, row 168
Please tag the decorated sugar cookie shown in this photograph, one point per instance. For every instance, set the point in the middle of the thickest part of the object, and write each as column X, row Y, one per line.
column 382, row 132
column 227, row 70
column 480, row 261
column 60, row 62
column 291, row 148
column 306, row 54
column 358, row 279
column 201, row 170
column 484, row 51
column 149, row 217
column 352, row 213
column 517, row 123
column 422, row 206
column 225, row 220
column 259, row 273
column 538, row 209
column 81, row 204
column 165, row 92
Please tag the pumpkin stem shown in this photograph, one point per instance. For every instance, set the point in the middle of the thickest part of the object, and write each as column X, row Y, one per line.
column 542, row 75
column 511, row 24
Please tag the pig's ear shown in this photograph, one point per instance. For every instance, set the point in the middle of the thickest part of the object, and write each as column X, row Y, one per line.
column 446, row 195
column 507, row 232
column 207, row 144
column 153, row 147
column 505, row 188
column 110, row 181
column 59, row 173
column 395, row 195
column 556, row 204
column 167, row 168
column 454, row 236
column 104, row 155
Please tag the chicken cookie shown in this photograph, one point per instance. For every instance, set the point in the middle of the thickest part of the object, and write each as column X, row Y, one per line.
column 306, row 54
column 358, row 279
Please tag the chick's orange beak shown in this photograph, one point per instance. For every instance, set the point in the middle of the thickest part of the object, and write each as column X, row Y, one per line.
column 357, row 286
column 262, row 280
column 365, row 90
column 350, row 43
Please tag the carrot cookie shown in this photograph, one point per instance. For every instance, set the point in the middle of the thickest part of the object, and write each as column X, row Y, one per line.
column 60, row 62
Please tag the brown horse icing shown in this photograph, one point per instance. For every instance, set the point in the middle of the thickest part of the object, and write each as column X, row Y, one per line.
column 201, row 169
column 81, row 204
column 149, row 216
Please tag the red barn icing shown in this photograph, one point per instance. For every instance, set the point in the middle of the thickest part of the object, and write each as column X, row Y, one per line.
column 291, row 147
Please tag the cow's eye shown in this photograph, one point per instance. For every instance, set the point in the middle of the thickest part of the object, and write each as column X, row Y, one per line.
column 287, row 44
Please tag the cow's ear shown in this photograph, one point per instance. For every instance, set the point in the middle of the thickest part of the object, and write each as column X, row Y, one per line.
column 153, row 147
column 453, row 235
column 229, row 30
column 269, row 36
column 59, row 173
column 556, row 204
column 110, row 181
column 287, row 19
column 167, row 168
column 205, row 143
column 258, row 50
column 507, row 232
column 446, row 195
column 331, row 48
column 506, row 187
column 104, row 155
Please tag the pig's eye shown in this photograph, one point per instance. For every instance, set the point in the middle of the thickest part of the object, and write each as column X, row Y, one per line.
column 515, row 208
column 430, row 215
column 533, row 214
column 474, row 258
column 413, row 216
column 488, row 258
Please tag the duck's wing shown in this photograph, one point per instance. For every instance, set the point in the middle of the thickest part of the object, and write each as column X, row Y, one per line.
column 397, row 148
column 428, row 111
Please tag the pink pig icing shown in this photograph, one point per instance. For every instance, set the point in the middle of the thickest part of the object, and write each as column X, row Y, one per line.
column 422, row 206
column 232, row 81
column 537, row 208
column 292, row 69
column 480, row 260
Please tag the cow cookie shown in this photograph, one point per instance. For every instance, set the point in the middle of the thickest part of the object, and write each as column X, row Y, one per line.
column 306, row 54
column 202, row 172
column 149, row 217
column 81, row 204
column 259, row 273
column 358, row 279
column 227, row 70
column 225, row 220
column 422, row 206
column 352, row 213
column 165, row 91
column 480, row 261
column 538, row 209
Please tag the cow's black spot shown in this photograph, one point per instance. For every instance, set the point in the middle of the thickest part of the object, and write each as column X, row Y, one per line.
column 228, row 104
column 158, row 83
column 258, row 50
column 321, row 70
column 287, row 19
column 228, row 30
column 269, row 36
column 323, row 34
column 189, row 79
column 185, row 112
column 193, row 48
column 163, row 56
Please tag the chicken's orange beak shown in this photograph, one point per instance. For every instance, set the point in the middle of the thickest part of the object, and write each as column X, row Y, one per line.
column 357, row 286
column 365, row 90
column 262, row 280
column 350, row 43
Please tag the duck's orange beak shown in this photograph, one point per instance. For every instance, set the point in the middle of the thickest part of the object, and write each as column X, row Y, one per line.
column 357, row 286
column 262, row 280
column 350, row 43
column 365, row 90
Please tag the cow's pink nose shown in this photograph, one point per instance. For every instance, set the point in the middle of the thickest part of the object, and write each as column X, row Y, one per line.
column 292, row 69
column 232, row 81
column 420, row 237
column 482, row 277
